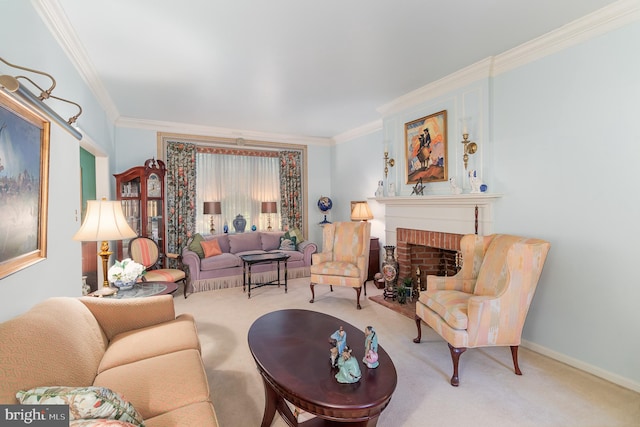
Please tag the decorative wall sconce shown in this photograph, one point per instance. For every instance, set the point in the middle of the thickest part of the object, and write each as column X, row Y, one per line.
column 212, row 208
column 12, row 84
column 387, row 162
column 470, row 147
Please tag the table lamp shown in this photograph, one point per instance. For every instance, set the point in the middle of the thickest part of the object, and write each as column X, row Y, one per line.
column 361, row 212
column 269, row 208
column 104, row 221
column 212, row 208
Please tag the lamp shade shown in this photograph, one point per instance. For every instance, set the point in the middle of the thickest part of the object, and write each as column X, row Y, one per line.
column 361, row 212
column 212, row 208
column 269, row 207
column 104, row 221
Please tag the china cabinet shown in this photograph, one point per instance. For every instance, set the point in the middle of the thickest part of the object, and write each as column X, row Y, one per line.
column 141, row 192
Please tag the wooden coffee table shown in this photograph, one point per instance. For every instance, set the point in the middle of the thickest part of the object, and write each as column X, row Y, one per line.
column 291, row 349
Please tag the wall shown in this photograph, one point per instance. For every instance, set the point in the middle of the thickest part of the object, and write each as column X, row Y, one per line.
column 566, row 153
column 60, row 273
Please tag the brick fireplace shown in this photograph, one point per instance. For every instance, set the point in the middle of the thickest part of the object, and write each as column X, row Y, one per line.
column 434, row 252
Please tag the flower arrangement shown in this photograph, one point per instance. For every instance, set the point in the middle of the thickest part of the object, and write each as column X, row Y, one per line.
column 125, row 271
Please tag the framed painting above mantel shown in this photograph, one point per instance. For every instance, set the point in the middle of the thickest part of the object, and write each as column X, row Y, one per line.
column 24, row 186
column 426, row 148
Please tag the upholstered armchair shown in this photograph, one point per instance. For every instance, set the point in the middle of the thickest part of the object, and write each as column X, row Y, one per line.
column 486, row 302
column 344, row 260
column 145, row 251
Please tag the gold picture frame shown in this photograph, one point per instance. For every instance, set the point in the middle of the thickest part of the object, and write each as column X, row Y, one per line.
column 426, row 148
column 24, row 185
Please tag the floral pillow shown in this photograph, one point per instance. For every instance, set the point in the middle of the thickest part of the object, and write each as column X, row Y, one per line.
column 287, row 243
column 84, row 402
column 100, row 422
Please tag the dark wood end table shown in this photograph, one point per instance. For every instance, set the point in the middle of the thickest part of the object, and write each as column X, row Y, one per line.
column 250, row 260
column 291, row 350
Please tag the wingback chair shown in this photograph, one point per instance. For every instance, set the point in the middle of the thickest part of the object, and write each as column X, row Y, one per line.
column 145, row 251
column 344, row 260
column 486, row 302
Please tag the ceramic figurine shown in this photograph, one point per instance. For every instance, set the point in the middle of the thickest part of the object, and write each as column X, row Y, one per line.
column 349, row 370
column 392, row 189
column 339, row 341
column 474, row 181
column 455, row 189
column 370, row 347
column 380, row 190
column 226, row 227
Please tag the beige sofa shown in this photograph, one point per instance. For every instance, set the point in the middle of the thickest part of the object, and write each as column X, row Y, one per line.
column 136, row 347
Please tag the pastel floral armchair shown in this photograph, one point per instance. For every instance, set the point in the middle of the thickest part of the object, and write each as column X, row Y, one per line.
column 344, row 260
column 486, row 302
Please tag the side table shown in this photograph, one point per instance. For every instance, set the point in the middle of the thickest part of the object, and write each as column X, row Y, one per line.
column 374, row 260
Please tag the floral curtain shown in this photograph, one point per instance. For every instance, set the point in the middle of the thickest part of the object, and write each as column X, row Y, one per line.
column 291, row 196
column 181, row 193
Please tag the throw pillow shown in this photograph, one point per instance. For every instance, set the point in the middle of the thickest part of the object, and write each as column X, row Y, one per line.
column 84, row 402
column 287, row 244
column 298, row 235
column 195, row 245
column 211, row 248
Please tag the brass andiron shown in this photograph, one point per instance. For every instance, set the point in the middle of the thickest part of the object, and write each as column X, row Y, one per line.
column 470, row 147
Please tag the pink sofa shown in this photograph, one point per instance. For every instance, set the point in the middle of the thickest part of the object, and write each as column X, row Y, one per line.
column 136, row 347
column 225, row 270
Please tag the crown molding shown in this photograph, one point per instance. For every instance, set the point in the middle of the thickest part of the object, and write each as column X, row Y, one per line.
column 52, row 14
column 185, row 128
column 358, row 132
column 474, row 72
column 609, row 18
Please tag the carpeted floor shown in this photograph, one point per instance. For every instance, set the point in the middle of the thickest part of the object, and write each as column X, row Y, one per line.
column 549, row 394
column 408, row 309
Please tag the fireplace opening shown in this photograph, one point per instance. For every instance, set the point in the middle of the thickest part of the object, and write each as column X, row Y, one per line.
column 432, row 252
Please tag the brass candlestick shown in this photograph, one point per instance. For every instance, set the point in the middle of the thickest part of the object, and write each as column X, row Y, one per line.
column 387, row 162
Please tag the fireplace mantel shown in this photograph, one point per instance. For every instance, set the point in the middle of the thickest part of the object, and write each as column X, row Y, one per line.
column 450, row 213
column 479, row 199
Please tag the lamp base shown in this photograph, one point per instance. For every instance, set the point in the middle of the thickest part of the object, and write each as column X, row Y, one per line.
column 105, row 254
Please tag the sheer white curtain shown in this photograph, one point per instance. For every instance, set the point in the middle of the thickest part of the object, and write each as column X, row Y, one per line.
column 241, row 183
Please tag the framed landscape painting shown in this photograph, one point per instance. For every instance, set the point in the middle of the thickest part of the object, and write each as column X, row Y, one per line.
column 426, row 148
column 24, row 176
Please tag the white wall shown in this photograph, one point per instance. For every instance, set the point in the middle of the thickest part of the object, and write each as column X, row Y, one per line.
column 60, row 273
column 567, row 147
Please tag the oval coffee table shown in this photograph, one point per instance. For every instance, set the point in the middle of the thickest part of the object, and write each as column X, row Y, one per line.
column 291, row 350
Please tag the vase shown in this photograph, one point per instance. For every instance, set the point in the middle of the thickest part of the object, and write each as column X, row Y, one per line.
column 390, row 272
column 124, row 286
column 239, row 223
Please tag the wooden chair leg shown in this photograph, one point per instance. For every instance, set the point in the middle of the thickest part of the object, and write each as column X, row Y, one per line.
column 514, row 356
column 331, row 287
column 313, row 295
column 358, row 290
column 419, row 326
column 365, row 288
column 455, row 357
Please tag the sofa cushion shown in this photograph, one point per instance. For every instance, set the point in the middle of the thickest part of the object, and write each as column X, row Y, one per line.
column 127, row 347
column 159, row 384
column 201, row 414
column 84, row 402
column 270, row 240
column 244, row 242
column 224, row 260
column 57, row 342
column 196, row 246
column 295, row 232
column 211, row 248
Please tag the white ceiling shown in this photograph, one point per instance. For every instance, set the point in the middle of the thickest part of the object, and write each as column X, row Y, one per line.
column 295, row 67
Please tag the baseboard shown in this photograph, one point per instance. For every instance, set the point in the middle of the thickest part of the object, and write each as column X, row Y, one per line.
column 579, row 364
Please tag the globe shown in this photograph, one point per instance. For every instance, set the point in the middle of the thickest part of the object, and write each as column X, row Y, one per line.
column 325, row 204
